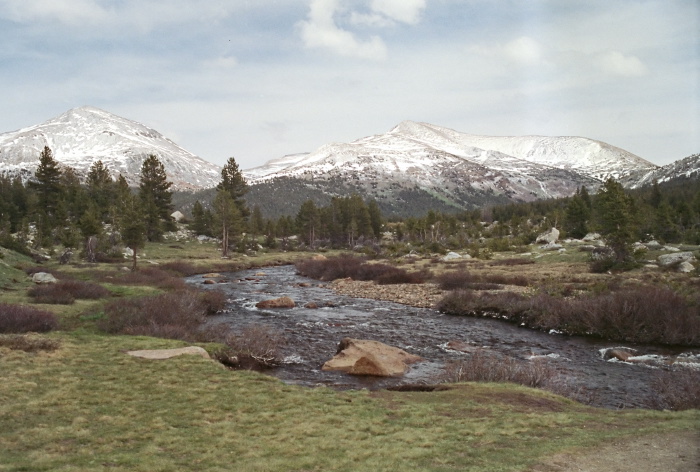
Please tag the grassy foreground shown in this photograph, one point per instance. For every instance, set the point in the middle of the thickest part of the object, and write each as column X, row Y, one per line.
column 89, row 406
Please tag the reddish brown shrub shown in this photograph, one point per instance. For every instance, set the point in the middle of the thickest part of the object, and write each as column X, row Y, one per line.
column 253, row 347
column 454, row 280
column 357, row 268
column 175, row 315
column 24, row 319
column 512, row 262
column 53, row 294
column 181, row 268
column 213, row 300
column 488, row 367
column 676, row 389
column 20, row 342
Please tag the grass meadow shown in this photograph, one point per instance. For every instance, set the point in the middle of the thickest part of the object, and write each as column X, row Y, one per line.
column 73, row 400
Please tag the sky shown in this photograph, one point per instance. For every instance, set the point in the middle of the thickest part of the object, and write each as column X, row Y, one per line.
column 260, row 79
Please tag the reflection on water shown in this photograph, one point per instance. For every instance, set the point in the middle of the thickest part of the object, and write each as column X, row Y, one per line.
column 313, row 335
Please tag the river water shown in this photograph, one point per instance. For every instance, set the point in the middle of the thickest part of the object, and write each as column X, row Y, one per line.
column 312, row 337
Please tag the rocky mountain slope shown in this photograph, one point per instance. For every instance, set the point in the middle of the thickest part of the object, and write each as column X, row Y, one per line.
column 84, row 135
column 447, row 169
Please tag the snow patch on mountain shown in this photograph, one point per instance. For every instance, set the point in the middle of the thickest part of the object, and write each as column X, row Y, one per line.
column 84, row 135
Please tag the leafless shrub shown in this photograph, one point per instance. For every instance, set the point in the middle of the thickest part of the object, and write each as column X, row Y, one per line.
column 504, row 279
column 65, row 292
column 515, row 261
column 357, row 268
column 175, row 315
column 254, row 347
column 677, row 389
column 180, row 268
column 214, row 301
column 53, row 294
column 454, row 280
column 23, row 319
column 19, row 342
column 483, row 366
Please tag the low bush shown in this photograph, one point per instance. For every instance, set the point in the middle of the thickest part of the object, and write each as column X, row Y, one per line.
column 640, row 314
column 357, row 268
column 151, row 276
column 24, row 319
column 676, row 389
column 487, row 367
column 254, row 347
column 515, row 261
column 65, row 292
column 454, row 280
column 21, row 342
column 180, row 268
column 174, row 315
column 213, row 300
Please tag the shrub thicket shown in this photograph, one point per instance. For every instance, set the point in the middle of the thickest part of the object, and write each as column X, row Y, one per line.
column 66, row 292
column 488, row 367
column 357, row 268
column 676, row 389
column 174, row 315
column 24, row 319
column 640, row 314
column 23, row 342
column 253, row 347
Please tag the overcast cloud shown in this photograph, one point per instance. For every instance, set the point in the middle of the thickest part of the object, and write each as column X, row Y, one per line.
column 260, row 79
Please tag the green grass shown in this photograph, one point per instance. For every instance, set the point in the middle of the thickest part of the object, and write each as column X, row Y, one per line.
column 89, row 406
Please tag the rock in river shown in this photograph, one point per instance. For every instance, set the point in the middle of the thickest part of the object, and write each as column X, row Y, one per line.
column 363, row 357
column 282, row 302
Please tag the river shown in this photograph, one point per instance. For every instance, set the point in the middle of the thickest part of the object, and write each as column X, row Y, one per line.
column 312, row 336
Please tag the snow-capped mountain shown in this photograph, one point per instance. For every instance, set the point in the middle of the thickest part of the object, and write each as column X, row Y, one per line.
column 460, row 169
column 688, row 167
column 84, row 135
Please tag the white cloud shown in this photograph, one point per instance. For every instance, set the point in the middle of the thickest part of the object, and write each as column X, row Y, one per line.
column 616, row 63
column 523, row 50
column 70, row 12
column 405, row 11
column 321, row 31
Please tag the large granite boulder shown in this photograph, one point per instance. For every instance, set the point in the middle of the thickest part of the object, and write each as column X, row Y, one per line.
column 364, row 357
column 282, row 302
column 548, row 237
column 43, row 278
column 668, row 260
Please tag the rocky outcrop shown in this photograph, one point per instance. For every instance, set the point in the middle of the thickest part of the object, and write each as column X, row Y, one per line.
column 282, row 302
column 548, row 237
column 364, row 357
column 168, row 353
column 43, row 278
column 668, row 260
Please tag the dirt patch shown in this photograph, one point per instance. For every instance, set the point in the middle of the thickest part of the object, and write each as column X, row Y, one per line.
column 679, row 452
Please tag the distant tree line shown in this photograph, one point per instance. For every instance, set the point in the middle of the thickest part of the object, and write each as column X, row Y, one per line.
column 101, row 214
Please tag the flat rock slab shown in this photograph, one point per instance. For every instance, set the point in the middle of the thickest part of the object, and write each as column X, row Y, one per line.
column 168, row 353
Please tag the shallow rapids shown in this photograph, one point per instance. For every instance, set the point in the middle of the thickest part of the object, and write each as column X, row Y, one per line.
column 312, row 337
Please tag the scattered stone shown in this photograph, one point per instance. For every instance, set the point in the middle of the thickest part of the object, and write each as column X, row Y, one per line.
column 319, row 257
column 671, row 249
column 260, row 274
column 601, row 253
column 667, row 260
column 654, row 245
column 685, row 267
column 282, row 302
column 212, row 275
column 43, row 278
column 619, row 354
column 551, row 247
column 311, row 306
column 548, row 237
column 461, row 346
column 168, row 353
column 451, row 256
column 304, row 284
column 177, row 216
column 591, row 237
column 209, row 282
column 586, row 248
column 128, row 252
column 364, row 357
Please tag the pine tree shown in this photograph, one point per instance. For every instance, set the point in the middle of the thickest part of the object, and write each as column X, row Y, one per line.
column 201, row 220
column 576, row 217
column 375, row 218
column 227, row 218
column 156, row 197
column 616, row 219
column 308, row 222
column 133, row 228
column 234, row 184
column 101, row 188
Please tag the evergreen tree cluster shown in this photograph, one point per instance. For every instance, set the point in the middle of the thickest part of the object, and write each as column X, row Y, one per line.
column 95, row 216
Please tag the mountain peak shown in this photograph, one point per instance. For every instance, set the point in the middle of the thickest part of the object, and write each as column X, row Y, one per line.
column 83, row 135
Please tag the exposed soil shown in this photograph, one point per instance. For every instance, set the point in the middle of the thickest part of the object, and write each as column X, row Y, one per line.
column 679, row 452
